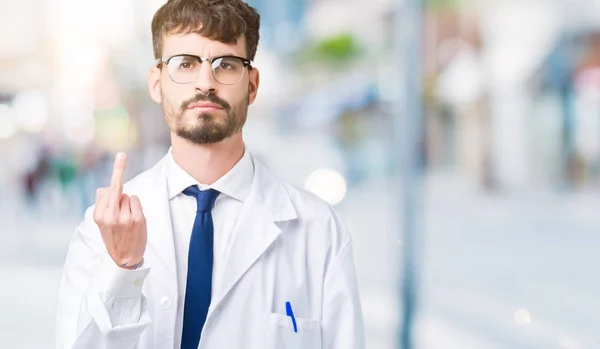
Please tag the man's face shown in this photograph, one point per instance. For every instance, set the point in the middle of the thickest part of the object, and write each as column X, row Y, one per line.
column 203, row 111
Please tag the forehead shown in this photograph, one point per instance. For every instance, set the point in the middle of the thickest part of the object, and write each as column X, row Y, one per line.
column 199, row 45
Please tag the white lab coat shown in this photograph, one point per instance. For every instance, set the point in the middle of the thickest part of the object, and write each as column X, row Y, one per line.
column 288, row 245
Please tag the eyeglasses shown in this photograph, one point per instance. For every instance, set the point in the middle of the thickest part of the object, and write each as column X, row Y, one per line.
column 185, row 69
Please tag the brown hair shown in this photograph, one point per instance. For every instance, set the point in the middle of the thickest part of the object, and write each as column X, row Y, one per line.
column 222, row 20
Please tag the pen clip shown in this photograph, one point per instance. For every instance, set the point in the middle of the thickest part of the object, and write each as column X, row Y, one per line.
column 290, row 313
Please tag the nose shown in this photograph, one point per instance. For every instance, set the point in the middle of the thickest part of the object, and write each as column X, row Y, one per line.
column 205, row 82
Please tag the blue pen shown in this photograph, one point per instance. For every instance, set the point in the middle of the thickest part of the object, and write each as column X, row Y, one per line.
column 290, row 313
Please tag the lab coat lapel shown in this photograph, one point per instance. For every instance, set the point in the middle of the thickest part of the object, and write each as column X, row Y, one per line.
column 154, row 198
column 256, row 228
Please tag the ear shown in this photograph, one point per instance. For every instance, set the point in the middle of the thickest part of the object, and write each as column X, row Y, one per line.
column 253, row 84
column 154, row 84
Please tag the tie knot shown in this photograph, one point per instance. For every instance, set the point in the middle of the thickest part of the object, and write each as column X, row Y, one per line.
column 205, row 198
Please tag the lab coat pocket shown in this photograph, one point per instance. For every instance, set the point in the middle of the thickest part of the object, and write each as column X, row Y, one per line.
column 281, row 335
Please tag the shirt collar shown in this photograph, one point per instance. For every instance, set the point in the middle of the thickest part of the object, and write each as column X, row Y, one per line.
column 236, row 183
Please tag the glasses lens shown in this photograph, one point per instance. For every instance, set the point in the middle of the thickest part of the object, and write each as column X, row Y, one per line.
column 228, row 70
column 183, row 69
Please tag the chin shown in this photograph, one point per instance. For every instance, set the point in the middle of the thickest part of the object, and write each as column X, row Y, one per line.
column 195, row 118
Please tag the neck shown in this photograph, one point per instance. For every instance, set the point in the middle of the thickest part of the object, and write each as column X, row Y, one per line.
column 207, row 162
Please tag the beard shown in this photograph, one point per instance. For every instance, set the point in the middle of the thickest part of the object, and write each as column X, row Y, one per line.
column 209, row 128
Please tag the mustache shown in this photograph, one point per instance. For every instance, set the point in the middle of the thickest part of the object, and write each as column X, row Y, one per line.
column 205, row 98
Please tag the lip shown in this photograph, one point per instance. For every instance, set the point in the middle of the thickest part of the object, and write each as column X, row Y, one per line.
column 204, row 105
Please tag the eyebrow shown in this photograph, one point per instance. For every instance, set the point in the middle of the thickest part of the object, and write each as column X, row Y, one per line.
column 211, row 56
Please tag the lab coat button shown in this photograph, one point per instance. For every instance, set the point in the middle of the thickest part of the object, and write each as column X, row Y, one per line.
column 165, row 302
column 138, row 282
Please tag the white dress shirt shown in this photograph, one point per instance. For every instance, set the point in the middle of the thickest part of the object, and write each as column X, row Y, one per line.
column 234, row 188
column 120, row 289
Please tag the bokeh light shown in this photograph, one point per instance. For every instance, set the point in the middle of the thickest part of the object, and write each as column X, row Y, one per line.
column 328, row 184
column 522, row 317
column 8, row 125
column 31, row 111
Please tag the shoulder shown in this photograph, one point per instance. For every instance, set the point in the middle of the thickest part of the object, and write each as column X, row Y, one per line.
column 314, row 214
column 307, row 204
column 306, row 200
column 318, row 227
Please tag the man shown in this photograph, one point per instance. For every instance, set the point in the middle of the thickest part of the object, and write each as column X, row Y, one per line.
column 208, row 249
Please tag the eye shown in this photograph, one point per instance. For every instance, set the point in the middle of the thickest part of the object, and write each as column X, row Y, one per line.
column 184, row 63
column 226, row 65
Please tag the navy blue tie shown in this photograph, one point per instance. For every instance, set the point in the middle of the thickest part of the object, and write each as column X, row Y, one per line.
column 200, row 266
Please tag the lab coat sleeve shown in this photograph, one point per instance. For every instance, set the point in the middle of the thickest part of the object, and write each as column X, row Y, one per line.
column 343, row 326
column 100, row 305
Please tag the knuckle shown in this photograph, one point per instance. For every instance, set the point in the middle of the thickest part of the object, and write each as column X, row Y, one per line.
column 97, row 217
column 139, row 219
column 124, row 220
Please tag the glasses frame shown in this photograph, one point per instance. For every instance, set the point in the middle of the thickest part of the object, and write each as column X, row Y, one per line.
column 165, row 60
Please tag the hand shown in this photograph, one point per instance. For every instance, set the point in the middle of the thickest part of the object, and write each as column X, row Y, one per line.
column 120, row 219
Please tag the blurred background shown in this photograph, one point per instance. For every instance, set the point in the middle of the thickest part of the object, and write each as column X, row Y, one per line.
column 506, row 208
